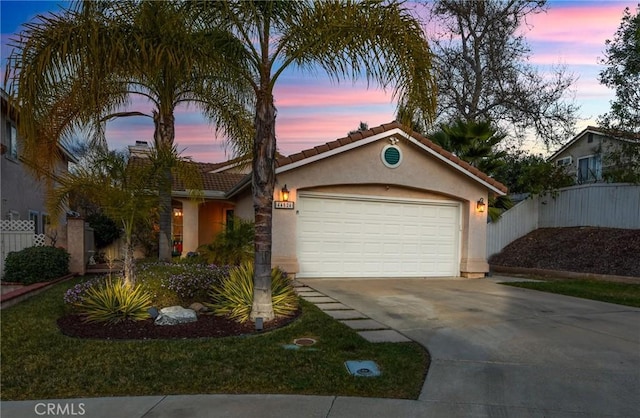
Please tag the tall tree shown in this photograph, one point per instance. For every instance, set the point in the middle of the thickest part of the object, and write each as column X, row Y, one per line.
column 481, row 58
column 381, row 42
column 87, row 64
column 622, row 74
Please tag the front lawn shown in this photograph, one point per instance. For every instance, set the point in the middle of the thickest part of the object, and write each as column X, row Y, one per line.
column 620, row 293
column 38, row 362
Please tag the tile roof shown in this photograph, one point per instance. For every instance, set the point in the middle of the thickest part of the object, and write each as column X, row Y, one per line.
column 220, row 182
column 355, row 137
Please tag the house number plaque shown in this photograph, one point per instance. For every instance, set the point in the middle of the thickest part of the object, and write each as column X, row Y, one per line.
column 283, row 205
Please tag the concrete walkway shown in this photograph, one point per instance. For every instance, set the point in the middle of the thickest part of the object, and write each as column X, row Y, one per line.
column 496, row 351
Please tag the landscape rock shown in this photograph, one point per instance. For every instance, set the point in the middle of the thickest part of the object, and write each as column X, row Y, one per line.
column 174, row 315
column 198, row 307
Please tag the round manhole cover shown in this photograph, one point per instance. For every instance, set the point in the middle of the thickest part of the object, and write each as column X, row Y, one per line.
column 364, row 372
column 304, row 341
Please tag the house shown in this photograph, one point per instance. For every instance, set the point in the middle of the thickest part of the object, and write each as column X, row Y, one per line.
column 378, row 203
column 585, row 155
column 23, row 196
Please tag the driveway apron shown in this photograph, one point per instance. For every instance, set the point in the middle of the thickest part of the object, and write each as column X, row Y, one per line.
column 502, row 351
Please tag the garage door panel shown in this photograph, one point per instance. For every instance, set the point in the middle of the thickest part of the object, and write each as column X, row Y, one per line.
column 355, row 237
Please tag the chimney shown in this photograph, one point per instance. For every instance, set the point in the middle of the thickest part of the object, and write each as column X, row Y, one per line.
column 140, row 149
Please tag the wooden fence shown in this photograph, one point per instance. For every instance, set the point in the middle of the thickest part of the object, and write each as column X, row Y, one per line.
column 598, row 205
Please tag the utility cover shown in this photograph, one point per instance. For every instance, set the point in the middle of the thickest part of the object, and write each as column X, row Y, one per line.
column 365, row 368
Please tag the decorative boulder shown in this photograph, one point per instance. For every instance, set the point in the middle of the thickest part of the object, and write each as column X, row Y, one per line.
column 198, row 307
column 174, row 315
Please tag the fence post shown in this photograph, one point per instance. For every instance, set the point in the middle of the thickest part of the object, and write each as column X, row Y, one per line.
column 76, row 245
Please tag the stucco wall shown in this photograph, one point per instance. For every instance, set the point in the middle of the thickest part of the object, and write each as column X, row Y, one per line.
column 583, row 148
column 361, row 171
column 20, row 192
column 212, row 220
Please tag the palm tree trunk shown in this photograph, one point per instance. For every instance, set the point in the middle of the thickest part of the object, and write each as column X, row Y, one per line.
column 164, row 136
column 129, row 274
column 263, row 181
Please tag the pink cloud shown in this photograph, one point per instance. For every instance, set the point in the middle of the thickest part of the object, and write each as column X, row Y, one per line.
column 329, row 95
column 578, row 23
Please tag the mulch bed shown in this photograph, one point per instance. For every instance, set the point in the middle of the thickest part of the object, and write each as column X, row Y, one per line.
column 207, row 326
column 581, row 249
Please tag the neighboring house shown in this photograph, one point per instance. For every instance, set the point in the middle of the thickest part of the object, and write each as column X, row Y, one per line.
column 23, row 197
column 585, row 155
column 378, row 203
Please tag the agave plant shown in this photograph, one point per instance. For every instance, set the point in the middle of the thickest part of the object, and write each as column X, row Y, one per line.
column 233, row 297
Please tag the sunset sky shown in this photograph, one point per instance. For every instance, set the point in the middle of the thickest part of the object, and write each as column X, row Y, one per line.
column 312, row 110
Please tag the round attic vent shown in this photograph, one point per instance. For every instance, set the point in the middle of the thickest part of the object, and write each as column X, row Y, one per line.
column 391, row 156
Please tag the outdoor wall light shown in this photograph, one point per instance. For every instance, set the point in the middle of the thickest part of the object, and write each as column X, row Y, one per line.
column 480, row 205
column 285, row 194
column 177, row 212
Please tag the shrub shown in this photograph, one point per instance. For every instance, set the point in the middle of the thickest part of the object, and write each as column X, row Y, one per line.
column 179, row 283
column 105, row 230
column 113, row 302
column 233, row 246
column 74, row 295
column 36, row 264
column 233, row 297
column 195, row 280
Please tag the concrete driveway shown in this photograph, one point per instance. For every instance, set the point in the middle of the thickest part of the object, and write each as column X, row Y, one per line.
column 502, row 351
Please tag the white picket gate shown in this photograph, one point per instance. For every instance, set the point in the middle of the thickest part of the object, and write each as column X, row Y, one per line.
column 16, row 235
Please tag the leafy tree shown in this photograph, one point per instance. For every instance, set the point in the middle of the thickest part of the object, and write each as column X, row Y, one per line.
column 483, row 73
column 622, row 73
column 378, row 41
column 622, row 163
column 85, row 65
column 363, row 126
column 533, row 174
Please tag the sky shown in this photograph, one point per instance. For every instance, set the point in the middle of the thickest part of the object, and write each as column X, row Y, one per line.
column 313, row 110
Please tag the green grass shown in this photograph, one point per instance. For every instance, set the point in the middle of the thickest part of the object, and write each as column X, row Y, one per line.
column 38, row 362
column 620, row 293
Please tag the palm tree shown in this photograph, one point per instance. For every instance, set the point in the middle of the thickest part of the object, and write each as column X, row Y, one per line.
column 378, row 41
column 475, row 143
column 124, row 190
column 85, row 65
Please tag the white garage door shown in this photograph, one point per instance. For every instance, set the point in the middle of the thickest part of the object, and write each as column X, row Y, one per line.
column 340, row 236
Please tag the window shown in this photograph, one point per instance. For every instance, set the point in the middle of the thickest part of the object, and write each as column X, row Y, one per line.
column 562, row 162
column 589, row 169
column 35, row 217
column 12, row 141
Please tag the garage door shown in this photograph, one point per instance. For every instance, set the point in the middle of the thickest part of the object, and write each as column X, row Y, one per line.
column 343, row 236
